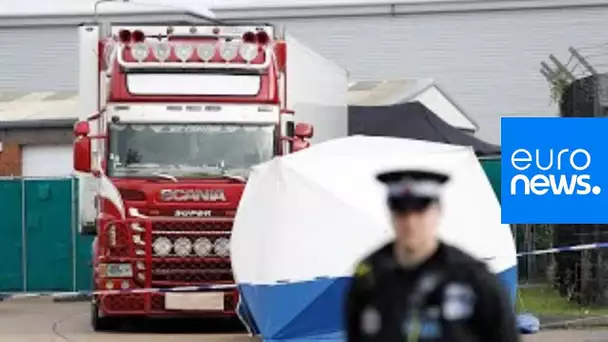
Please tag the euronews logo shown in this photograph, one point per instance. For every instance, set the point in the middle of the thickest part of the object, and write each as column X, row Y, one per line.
column 561, row 173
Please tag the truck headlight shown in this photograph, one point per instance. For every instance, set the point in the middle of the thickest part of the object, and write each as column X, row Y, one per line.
column 116, row 270
column 206, row 51
column 222, row 247
column 229, row 51
column 162, row 246
column 248, row 51
column 162, row 51
column 202, row 247
column 140, row 51
column 182, row 246
column 184, row 51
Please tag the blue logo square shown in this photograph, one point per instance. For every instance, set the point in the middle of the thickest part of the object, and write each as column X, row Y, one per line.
column 554, row 170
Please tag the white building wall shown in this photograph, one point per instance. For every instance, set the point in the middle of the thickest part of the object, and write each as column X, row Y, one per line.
column 38, row 58
column 487, row 60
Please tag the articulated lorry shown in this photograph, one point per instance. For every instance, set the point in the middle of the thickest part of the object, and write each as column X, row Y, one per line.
column 174, row 118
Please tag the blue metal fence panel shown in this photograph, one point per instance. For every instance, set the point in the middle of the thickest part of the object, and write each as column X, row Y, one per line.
column 43, row 249
column 11, row 234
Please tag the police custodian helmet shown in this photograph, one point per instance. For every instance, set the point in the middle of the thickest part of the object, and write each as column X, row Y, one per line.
column 412, row 190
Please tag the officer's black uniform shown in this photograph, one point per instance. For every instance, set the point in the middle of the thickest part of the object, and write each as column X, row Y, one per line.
column 449, row 297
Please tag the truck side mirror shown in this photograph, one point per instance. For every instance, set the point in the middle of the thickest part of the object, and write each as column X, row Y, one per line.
column 303, row 130
column 299, row 144
column 82, row 154
column 81, row 129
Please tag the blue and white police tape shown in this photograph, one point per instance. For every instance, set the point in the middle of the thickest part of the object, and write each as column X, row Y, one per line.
column 71, row 296
column 574, row 248
column 83, row 295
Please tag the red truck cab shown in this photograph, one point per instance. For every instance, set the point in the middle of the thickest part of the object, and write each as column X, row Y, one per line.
column 182, row 115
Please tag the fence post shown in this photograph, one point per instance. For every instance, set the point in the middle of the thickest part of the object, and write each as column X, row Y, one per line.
column 74, row 241
column 23, row 234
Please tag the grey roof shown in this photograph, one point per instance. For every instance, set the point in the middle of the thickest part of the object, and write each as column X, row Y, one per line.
column 7, row 96
column 268, row 9
column 52, row 123
column 240, row 4
column 17, row 108
column 243, row 4
column 373, row 93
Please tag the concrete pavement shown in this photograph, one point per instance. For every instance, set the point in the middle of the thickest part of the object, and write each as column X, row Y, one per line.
column 41, row 320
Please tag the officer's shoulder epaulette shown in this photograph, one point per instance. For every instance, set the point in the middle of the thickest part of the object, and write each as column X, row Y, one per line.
column 366, row 266
column 364, row 275
column 363, row 268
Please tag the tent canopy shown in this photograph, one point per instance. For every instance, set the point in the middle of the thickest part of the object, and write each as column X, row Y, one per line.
column 413, row 121
column 425, row 91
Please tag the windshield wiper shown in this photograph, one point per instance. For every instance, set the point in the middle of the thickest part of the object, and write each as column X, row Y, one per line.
column 234, row 177
column 224, row 173
column 218, row 171
column 165, row 176
column 140, row 166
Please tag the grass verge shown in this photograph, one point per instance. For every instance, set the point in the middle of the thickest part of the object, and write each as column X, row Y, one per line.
column 547, row 301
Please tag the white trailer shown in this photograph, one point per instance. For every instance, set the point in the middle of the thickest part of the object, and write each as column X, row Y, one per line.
column 317, row 91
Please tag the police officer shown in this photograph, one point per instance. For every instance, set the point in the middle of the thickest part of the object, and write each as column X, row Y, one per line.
column 419, row 289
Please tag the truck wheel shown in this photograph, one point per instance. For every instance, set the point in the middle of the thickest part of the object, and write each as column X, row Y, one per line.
column 99, row 323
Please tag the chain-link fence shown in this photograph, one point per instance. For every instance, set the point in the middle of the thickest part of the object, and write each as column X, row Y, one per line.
column 577, row 278
column 42, row 248
column 534, row 269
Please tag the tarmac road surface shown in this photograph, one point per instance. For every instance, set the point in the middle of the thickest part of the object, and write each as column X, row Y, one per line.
column 41, row 320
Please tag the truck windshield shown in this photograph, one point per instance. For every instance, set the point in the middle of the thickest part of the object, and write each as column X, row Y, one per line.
column 193, row 150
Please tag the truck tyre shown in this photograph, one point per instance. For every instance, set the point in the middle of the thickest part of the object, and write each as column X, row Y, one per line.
column 99, row 323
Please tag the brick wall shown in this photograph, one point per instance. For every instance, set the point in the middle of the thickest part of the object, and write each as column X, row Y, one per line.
column 10, row 160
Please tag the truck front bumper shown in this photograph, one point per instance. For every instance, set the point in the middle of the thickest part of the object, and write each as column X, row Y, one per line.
column 207, row 304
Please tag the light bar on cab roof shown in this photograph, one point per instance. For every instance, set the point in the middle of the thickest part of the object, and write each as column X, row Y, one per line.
column 253, row 51
column 231, row 55
column 230, row 31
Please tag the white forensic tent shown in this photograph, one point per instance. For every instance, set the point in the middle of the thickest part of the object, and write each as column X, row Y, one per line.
column 305, row 219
